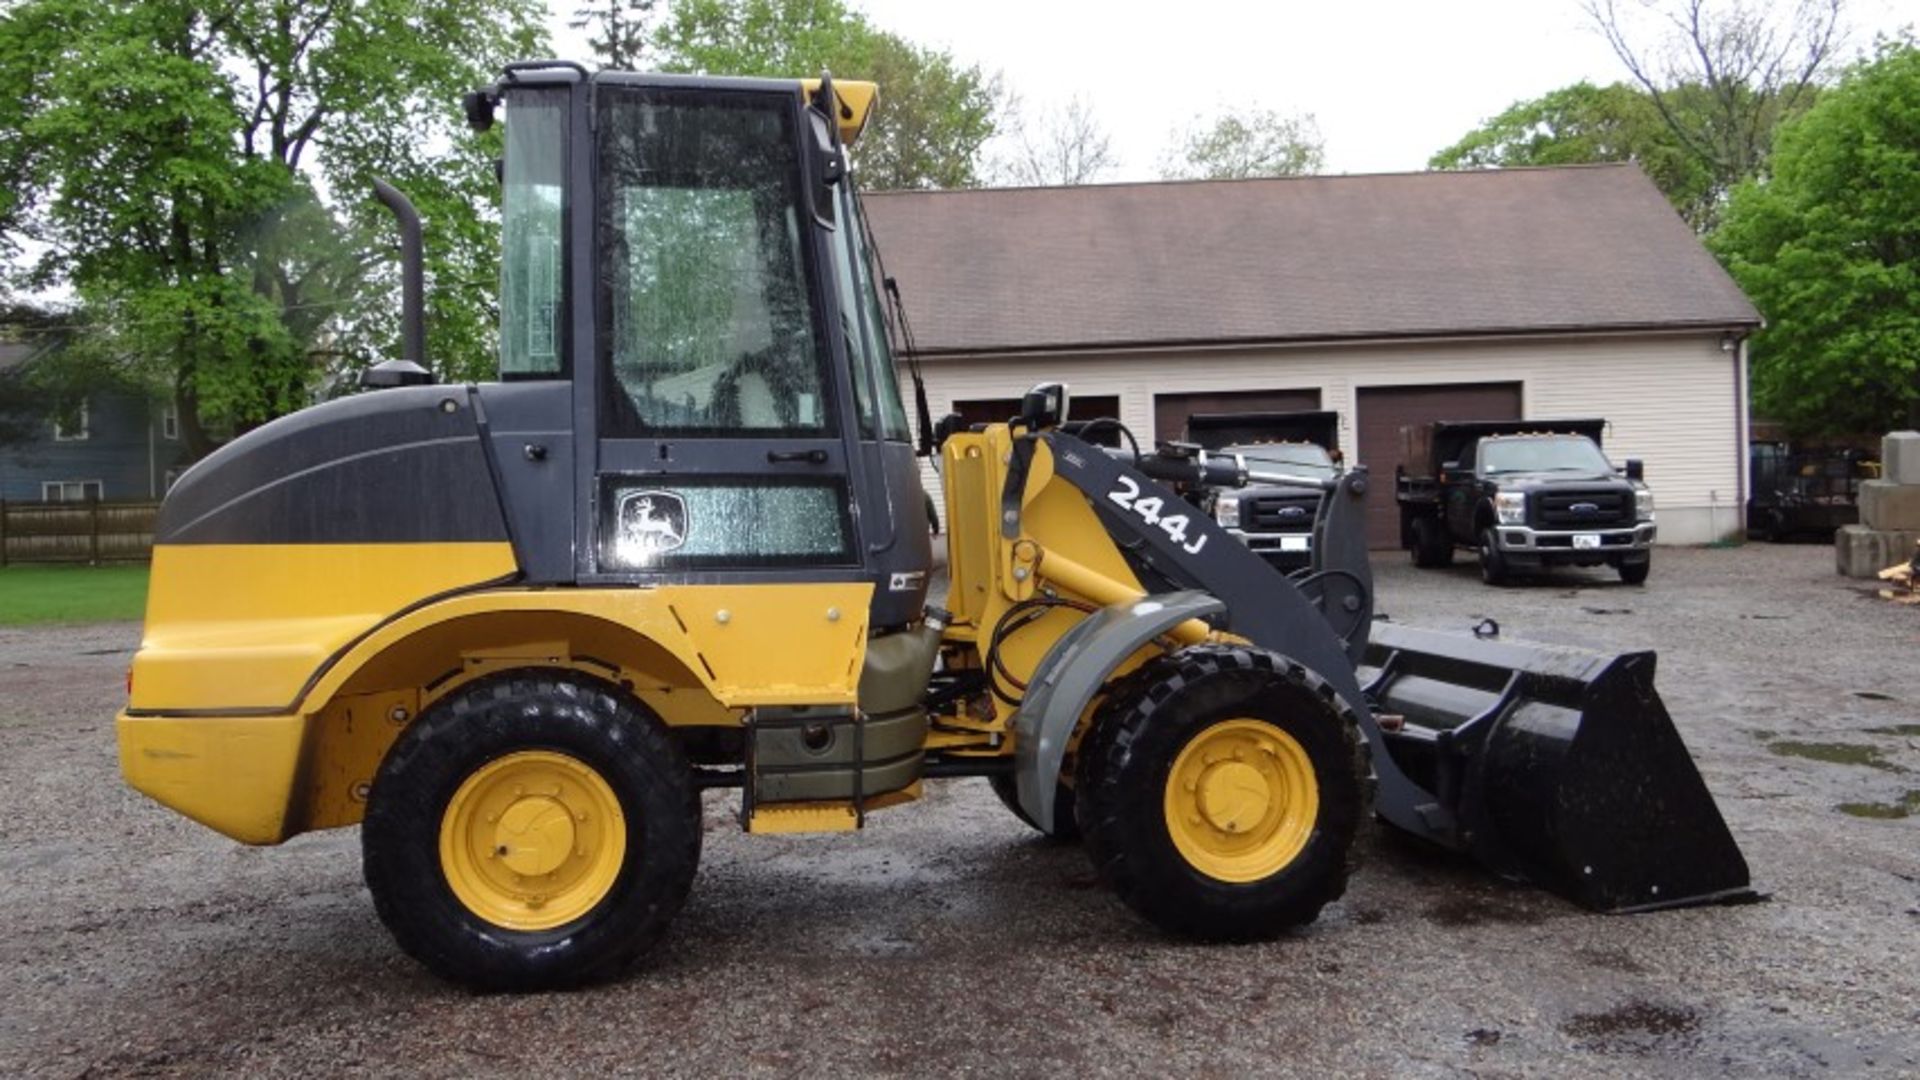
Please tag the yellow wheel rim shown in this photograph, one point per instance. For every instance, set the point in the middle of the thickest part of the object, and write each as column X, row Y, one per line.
column 532, row 840
column 1241, row 800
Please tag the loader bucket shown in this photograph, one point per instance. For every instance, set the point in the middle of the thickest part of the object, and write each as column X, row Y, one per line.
column 1554, row 765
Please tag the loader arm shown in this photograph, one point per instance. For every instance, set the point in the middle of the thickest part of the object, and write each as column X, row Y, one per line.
column 1322, row 628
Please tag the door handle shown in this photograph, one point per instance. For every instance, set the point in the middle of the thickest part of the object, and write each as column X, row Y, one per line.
column 811, row 457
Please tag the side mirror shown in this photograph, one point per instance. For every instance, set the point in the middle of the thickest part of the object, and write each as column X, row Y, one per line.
column 391, row 373
column 1044, row 406
column 1636, row 469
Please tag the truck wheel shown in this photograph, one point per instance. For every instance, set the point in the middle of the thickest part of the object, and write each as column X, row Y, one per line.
column 1220, row 797
column 532, row 830
column 1432, row 547
column 1493, row 564
column 1066, row 825
column 1636, row 573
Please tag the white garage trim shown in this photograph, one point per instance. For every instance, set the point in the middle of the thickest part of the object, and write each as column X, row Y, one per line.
column 1675, row 400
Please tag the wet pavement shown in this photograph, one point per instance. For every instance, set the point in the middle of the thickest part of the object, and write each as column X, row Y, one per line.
column 946, row 938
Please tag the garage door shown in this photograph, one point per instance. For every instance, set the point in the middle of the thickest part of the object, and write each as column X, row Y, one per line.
column 1384, row 410
column 1170, row 411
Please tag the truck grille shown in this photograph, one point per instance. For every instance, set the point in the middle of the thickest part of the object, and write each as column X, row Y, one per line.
column 1279, row 513
column 1602, row 508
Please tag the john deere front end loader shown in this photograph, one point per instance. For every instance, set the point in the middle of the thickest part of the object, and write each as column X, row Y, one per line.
column 514, row 629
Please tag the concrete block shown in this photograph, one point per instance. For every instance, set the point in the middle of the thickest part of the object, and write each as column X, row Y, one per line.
column 1887, row 505
column 1900, row 457
column 1860, row 552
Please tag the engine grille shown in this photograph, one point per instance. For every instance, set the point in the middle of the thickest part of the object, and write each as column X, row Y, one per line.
column 1279, row 513
column 1599, row 508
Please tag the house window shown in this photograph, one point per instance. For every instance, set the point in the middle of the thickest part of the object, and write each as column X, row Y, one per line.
column 170, row 422
column 70, row 425
column 173, row 476
column 54, row 491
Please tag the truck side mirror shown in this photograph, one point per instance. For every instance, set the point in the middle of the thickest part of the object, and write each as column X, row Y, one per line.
column 1636, row 469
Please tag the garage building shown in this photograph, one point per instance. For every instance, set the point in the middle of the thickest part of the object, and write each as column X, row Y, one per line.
column 1393, row 299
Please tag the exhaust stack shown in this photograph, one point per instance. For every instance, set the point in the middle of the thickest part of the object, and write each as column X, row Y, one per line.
column 411, row 369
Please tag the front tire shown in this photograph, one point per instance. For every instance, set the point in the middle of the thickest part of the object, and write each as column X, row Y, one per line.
column 1220, row 792
column 533, row 830
column 1636, row 573
column 1493, row 563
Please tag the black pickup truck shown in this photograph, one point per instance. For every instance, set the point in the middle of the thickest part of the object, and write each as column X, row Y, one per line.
column 1276, row 521
column 1524, row 494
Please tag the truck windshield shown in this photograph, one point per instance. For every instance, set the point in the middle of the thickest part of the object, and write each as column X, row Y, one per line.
column 1556, row 453
column 1289, row 457
column 532, row 219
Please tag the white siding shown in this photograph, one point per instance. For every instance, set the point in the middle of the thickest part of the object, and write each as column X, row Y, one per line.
column 1673, row 400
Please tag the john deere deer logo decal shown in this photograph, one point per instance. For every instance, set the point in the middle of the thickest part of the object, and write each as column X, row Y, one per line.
column 650, row 524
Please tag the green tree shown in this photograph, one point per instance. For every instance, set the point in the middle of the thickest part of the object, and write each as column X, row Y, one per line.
column 1829, row 248
column 197, row 175
column 1583, row 124
column 1242, row 144
column 934, row 112
column 617, row 30
column 1723, row 74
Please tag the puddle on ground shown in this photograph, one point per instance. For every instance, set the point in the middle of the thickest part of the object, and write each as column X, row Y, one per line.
column 1835, row 753
column 1611, row 959
column 1480, row 911
column 1484, row 1037
column 1894, row 729
column 1905, row 806
column 1636, row 1025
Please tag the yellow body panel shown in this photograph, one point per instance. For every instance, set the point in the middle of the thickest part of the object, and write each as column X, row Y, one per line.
column 696, row 654
column 244, row 626
column 236, row 775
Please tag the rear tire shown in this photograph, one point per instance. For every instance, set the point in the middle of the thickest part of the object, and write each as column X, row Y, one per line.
column 1636, row 573
column 532, row 830
column 1066, row 824
column 1220, row 792
column 1493, row 564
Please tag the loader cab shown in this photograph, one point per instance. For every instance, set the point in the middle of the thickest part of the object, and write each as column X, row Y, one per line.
column 685, row 261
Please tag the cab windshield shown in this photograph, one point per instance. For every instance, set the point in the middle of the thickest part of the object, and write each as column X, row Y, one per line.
column 1306, row 458
column 1556, row 453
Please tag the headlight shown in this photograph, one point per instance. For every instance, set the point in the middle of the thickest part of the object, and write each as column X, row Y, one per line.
column 1226, row 511
column 1511, row 507
column 1643, row 504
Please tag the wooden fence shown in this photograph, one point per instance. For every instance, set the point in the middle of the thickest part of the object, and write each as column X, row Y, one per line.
column 88, row 532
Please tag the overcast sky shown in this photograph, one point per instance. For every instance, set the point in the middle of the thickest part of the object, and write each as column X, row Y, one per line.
column 1390, row 81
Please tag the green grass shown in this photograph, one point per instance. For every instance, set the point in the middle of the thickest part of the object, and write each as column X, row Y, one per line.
column 31, row 595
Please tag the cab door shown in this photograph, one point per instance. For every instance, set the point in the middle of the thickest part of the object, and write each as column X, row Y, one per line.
column 718, row 441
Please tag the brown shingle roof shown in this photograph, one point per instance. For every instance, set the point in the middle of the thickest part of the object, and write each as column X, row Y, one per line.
column 1312, row 258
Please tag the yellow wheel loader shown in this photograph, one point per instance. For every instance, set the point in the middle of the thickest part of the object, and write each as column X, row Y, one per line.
column 513, row 630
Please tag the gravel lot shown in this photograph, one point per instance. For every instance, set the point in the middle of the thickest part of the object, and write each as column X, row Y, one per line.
column 947, row 938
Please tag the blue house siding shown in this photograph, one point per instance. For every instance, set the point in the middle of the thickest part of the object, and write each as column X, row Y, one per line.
column 126, row 450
